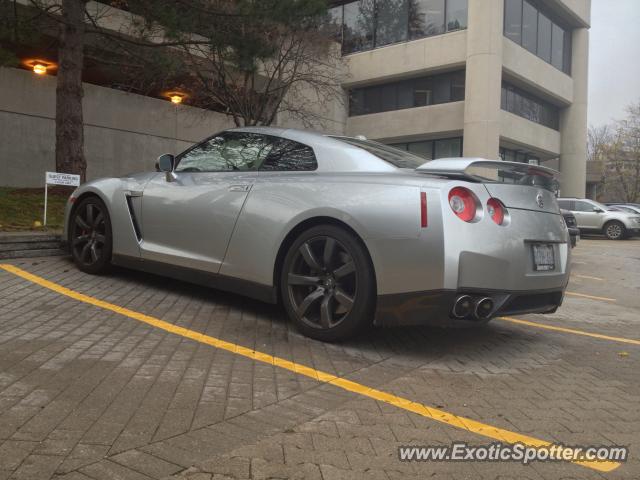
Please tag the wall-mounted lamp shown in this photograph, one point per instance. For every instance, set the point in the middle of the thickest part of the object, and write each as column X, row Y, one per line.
column 175, row 97
column 39, row 68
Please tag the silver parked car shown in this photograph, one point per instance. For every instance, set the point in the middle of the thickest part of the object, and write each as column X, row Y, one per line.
column 594, row 217
column 345, row 232
column 625, row 207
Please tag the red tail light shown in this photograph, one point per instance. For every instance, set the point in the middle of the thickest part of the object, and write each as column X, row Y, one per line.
column 496, row 210
column 423, row 209
column 463, row 203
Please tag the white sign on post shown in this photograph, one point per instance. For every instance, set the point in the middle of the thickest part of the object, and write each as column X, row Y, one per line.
column 55, row 178
column 68, row 179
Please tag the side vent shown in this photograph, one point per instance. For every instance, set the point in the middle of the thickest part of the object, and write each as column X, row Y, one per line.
column 134, row 220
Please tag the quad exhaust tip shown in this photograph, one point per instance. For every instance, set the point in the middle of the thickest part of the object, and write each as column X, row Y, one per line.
column 478, row 308
column 483, row 309
column 463, row 306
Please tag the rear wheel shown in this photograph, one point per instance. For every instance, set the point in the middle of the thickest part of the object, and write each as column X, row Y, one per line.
column 614, row 230
column 327, row 284
column 90, row 236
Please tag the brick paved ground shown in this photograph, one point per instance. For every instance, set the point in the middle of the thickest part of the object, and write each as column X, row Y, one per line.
column 86, row 393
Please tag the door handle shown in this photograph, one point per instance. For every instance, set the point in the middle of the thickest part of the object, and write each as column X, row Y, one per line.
column 240, row 188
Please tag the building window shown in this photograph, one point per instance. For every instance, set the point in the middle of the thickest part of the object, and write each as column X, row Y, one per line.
column 528, row 106
column 392, row 22
column 544, row 38
column 509, row 155
column 529, row 27
column 513, row 20
column 456, row 14
column 538, row 32
column 357, row 30
column 368, row 24
column 426, row 18
column 557, row 43
column 415, row 92
column 433, row 149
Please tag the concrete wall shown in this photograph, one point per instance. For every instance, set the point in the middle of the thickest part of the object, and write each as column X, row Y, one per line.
column 529, row 70
column 407, row 59
column 578, row 10
column 529, row 135
column 408, row 123
column 124, row 132
column 483, row 79
column 573, row 120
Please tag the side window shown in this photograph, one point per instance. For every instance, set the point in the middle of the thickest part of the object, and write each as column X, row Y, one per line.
column 287, row 155
column 583, row 207
column 565, row 204
column 229, row 151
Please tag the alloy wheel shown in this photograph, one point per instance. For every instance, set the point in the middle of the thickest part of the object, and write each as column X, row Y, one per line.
column 322, row 284
column 614, row 231
column 89, row 234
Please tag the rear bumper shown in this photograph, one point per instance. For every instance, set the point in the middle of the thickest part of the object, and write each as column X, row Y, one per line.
column 435, row 307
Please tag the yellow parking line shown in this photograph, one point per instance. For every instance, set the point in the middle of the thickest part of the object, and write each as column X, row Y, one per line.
column 592, row 297
column 588, row 277
column 432, row 413
column 570, row 330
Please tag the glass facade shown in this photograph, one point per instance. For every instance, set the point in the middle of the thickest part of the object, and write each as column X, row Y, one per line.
column 527, row 25
column 510, row 155
column 366, row 24
column 415, row 92
column 433, row 149
column 528, row 106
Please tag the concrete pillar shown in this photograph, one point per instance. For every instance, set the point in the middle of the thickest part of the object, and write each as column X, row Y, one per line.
column 483, row 79
column 573, row 121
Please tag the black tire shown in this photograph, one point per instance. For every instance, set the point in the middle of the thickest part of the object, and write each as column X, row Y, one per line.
column 614, row 230
column 90, row 237
column 327, row 284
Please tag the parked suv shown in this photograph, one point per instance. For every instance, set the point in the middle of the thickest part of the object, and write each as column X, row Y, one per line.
column 593, row 217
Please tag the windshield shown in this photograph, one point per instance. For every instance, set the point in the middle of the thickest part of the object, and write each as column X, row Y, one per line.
column 604, row 207
column 394, row 156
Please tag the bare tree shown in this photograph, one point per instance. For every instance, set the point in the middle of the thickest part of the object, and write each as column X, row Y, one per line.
column 260, row 59
column 622, row 158
column 299, row 75
column 598, row 138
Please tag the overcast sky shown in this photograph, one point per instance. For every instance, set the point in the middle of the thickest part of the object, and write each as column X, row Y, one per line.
column 614, row 58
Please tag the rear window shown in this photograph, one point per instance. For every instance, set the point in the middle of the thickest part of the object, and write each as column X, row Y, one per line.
column 397, row 158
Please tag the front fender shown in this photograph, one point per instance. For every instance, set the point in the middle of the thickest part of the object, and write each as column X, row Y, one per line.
column 112, row 191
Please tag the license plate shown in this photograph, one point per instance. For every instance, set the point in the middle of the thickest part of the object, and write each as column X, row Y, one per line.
column 543, row 258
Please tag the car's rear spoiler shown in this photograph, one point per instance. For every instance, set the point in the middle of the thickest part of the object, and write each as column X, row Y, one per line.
column 462, row 168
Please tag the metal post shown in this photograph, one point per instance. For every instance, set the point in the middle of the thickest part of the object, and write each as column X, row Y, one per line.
column 44, row 222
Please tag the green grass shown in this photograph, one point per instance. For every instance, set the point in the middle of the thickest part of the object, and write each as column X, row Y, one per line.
column 20, row 208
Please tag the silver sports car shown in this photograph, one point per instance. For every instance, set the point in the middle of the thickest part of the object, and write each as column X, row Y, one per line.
column 345, row 232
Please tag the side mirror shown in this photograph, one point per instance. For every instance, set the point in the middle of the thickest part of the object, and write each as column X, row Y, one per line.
column 166, row 163
column 597, row 210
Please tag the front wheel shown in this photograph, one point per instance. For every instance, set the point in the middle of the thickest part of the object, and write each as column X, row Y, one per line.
column 328, row 284
column 90, row 236
column 614, row 230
